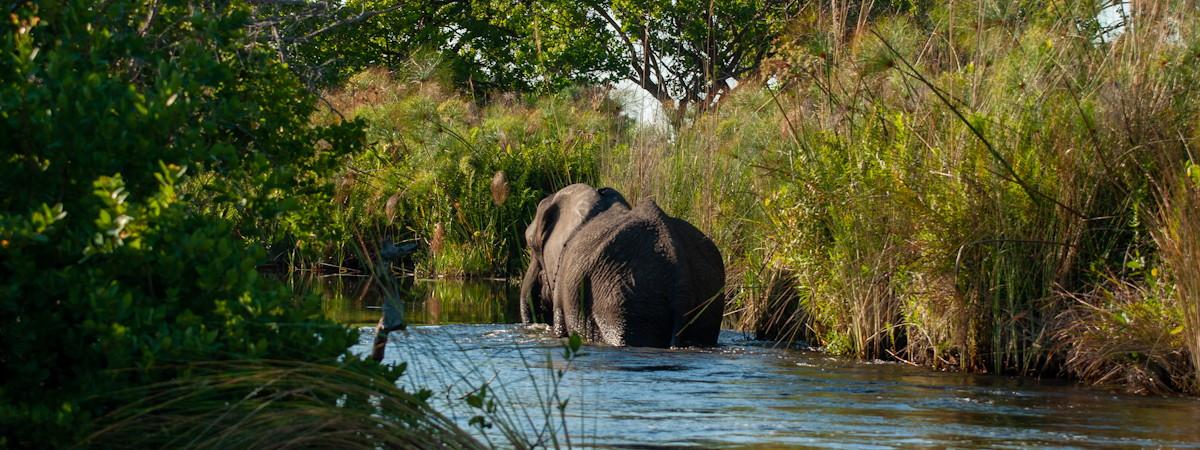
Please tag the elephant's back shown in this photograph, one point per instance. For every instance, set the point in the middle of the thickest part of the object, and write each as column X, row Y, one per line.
column 627, row 246
column 649, row 237
column 699, row 253
column 687, row 246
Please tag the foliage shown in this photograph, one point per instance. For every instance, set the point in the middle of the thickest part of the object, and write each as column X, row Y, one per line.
column 462, row 180
column 139, row 141
column 681, row 50
column 685, row 50
column 1177, row 234
column 487, row 45
column 944, row 201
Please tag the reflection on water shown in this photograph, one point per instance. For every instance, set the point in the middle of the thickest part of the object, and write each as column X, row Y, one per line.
column 741, row 393
column 357, row 300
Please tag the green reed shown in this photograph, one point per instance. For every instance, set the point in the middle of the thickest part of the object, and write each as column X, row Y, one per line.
column 462, row 178
column 942, row 185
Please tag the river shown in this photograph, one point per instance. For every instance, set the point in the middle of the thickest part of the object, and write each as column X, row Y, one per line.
column 742, row 393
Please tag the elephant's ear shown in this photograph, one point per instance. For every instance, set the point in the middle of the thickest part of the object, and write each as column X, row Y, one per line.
column 546, row 224
column 543, row 223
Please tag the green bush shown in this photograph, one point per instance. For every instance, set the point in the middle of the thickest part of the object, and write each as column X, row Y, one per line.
column 142, row 145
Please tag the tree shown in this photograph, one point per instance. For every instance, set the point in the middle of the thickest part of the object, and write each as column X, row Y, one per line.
column 486, row 45
column 686, row 50
column 682, row 50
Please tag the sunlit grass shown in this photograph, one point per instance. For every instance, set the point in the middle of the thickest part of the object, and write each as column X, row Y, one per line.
column 475, row 171
column 931, row 186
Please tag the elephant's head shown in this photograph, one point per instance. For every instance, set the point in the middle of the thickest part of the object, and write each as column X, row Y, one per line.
column 557, row 218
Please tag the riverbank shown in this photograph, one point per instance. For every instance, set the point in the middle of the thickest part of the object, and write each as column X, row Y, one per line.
column 1009, row 195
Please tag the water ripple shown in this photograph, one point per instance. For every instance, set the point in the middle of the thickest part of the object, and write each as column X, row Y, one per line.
column 747, row 393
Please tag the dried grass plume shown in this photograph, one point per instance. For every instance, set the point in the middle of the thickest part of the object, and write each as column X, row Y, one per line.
column 499, row 188
column 439, row 238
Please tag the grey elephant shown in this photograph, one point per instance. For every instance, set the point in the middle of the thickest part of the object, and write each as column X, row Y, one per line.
column 621, row 275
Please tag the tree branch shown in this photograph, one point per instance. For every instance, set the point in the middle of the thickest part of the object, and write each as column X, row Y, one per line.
column 347, row 21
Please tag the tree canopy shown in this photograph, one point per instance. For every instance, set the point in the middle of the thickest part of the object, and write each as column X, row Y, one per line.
column 681, row 50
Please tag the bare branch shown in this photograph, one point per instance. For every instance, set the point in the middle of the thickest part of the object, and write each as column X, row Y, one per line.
column 281, row 2
column 347, row 21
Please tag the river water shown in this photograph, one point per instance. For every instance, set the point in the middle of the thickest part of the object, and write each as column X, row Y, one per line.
column 741, row 393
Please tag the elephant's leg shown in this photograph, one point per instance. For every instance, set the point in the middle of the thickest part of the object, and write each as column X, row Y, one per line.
column 697, row 321
column 560, row 323
column 577, row 308
column 573, row 308
column 681, row 318
column 605, row 299
column 564, row 305
column 532, row 295
column 584, row 319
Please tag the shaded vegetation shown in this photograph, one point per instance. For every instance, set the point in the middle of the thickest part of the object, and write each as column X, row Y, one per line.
column 357, row 301
column 682, row 50
column 146, row 149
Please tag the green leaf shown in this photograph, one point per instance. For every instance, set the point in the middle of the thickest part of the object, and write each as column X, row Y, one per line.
column 574, row 342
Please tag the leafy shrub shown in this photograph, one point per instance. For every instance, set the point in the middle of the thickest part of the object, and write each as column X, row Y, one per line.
column 139, row 141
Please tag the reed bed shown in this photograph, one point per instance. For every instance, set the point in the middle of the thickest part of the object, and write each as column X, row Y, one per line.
column 974, row 186
column 459, row 175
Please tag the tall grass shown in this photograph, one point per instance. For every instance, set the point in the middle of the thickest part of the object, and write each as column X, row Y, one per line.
column 1178, row 237
column 442, row 169
column 949, row 185
column 1126, row 334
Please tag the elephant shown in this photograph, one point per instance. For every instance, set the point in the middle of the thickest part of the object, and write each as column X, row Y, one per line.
column 558, row 216
column 621, row 275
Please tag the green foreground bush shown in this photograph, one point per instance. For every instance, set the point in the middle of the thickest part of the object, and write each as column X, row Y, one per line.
column 144, row 146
